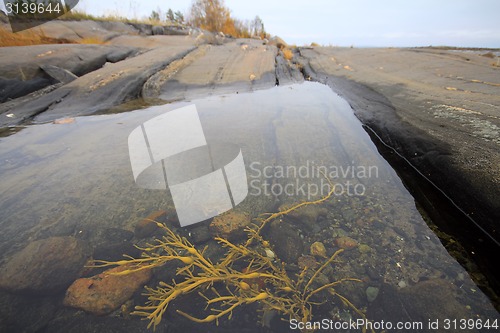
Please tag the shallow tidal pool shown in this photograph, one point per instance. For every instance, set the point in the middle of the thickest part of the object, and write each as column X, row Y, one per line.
column 75, row 179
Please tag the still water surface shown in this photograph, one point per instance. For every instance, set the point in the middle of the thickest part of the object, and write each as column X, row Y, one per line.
column 75, row 179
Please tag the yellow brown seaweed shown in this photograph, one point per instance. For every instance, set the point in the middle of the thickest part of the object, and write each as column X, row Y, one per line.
column 291, row 297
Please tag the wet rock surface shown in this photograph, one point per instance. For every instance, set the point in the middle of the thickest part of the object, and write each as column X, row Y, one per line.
column 422, row 111
column 45, row 266
column 432, row 117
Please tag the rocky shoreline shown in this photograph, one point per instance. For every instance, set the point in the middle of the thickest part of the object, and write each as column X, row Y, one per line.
column 442, row 117
column 440, row 133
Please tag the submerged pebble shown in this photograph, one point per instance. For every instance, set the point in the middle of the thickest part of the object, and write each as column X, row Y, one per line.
column 346, row 242
column 286, row 243
column 318, row 249
column 363, row 248
column 270, row 254
column 307, row 261
column 371, row 293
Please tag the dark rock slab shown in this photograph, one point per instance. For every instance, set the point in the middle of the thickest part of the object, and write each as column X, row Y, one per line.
column 119, row 27
column 26, row 69
column 99, row 90
column 158, row 30
column 14, row 88
column 175, row 31
column 60, row 74
column 287, row 72
column 44, row 266
column 121, row 54
column 144, row 29
column 23, row 62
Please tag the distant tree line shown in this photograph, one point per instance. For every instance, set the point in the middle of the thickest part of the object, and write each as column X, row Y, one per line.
column 171, row 16
column 214, row 16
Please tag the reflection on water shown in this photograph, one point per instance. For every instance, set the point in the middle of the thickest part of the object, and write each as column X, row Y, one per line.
column 75, row 179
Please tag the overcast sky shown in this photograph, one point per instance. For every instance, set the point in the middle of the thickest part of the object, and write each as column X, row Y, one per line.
column 474, row 23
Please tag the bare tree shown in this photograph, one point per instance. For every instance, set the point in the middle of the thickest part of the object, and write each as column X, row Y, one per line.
column 211, row 15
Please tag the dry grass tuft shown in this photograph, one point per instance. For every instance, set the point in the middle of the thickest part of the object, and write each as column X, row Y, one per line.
column 27, row 37
column 92, row 40
column 287, row 53
column 37, row 37
column 78, row 15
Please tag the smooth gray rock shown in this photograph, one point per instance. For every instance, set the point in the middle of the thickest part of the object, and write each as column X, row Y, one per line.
column 23, row 62
column 371, row 293
column 97, row 91
column 60, row 74
column 158, row 30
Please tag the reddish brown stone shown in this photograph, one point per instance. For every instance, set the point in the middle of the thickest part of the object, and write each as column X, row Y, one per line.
column 147, row 227
column 105, row 292
column 230, row 225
